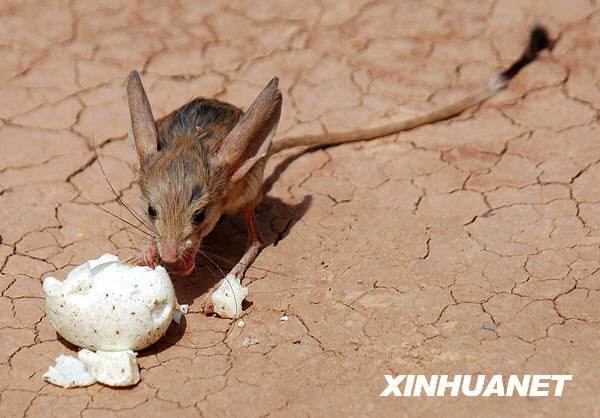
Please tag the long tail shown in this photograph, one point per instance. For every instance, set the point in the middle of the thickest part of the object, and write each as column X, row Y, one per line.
column 538, row 41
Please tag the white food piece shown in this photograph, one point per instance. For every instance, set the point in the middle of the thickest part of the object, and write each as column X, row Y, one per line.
column 284, row 318
column 227, row 299
column 177, row 317
column 108, row 305
column 241, row 323
column 68, row 373
column 179, row 312
column 113, row 368
column 250, row 341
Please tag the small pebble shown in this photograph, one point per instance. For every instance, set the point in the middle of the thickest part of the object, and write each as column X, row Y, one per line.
column 284, row 318
column 488, row 326
column 241, row 323
column 250, row 341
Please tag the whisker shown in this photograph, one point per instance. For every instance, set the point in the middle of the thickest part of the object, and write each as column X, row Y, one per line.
column 103, row 186
column 149, row 234
column 135, row 234
column 112, row 188
column 212, row 262
column 219, row 273
column 253, row 266
column 225, row 276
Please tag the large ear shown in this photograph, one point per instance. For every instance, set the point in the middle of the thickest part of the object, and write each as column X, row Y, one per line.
column 251, row 137
column 143, row 137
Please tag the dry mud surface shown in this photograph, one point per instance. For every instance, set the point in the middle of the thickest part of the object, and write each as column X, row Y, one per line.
column 466, row 247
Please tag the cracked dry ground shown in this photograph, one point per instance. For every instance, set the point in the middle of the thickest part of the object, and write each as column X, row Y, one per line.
column 469, row 246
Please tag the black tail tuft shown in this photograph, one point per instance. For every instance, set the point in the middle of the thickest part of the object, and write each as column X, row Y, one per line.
column 538, row 40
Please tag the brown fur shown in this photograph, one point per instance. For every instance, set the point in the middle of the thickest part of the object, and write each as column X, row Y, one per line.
column 203, row 159
column 208, row 157
column 185, row 164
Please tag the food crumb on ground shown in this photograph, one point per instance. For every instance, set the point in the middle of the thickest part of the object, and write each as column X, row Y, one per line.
column 248, row 341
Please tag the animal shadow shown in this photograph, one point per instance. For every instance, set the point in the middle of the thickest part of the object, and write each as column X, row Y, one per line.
column 225, row 245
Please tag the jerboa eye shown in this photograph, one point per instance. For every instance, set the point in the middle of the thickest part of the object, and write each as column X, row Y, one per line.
column 198, row 217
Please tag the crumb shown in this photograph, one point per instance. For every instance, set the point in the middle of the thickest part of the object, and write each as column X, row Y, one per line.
column 250, row 341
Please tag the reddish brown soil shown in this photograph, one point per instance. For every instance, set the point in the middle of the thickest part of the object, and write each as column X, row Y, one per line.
column 469, row 246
